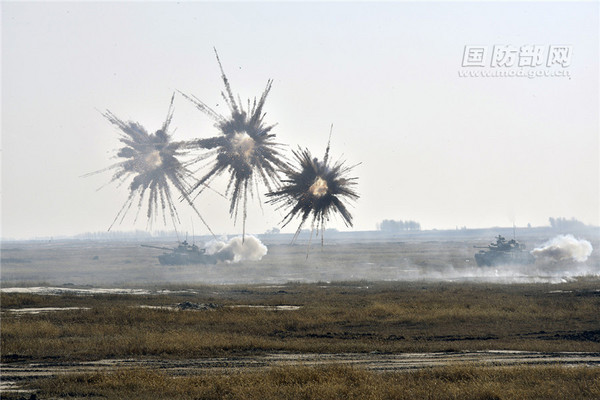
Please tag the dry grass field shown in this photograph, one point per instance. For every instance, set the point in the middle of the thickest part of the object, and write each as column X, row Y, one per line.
column 351, row 318
column 219, row 331
column 335, row 382
column 331, row 318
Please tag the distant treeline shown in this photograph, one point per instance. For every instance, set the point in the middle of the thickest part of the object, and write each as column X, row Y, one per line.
column 390, row 225
column 563, row 224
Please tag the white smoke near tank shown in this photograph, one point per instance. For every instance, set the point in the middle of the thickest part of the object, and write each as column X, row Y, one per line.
column 563, row 248
column 247, row 248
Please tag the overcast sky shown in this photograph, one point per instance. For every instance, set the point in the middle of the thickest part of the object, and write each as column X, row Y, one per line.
column 435, row 147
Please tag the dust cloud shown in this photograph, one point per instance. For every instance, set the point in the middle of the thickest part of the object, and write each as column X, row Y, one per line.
column 540, row 272
column 237, row 249
column 564, row 247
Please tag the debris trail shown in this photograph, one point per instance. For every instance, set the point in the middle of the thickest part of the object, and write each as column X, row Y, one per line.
column 245, row 149
column 152, row 161
column 564, row 247
column 314, row 187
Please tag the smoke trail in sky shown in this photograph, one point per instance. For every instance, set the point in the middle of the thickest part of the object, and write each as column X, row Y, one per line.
column 564, row 247
column 237, row 249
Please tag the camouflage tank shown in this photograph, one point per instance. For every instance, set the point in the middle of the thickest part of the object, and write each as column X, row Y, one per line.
column 503, row 253
column 184, row 254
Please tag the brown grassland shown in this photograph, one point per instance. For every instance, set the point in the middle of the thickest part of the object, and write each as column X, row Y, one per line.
column 335, row 382
column 332, row 318
column 357, row 317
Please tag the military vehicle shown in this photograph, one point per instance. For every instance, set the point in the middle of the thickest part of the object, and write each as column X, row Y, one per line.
column 503, row 253
column 184, row 254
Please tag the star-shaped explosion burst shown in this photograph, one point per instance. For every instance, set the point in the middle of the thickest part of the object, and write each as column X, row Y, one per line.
column 152, row 161
column 244, row 148
column 315, row 188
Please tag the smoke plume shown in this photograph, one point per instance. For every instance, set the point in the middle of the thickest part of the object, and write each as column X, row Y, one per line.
column 237, row 249
column 564, row 247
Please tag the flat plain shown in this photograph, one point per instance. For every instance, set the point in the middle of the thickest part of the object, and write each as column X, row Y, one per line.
column 409, row 318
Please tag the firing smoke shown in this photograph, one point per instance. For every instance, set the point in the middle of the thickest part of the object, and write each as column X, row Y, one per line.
column 237, row 249
column 564, row 247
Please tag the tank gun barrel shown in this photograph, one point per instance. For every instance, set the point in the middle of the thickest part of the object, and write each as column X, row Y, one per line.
column 155, row 247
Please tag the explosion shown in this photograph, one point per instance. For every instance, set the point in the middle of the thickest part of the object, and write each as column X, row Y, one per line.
column 244, row 148
column 152, row 161
column 315, row 187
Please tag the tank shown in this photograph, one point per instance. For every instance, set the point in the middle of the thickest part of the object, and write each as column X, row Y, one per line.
column 184, row 254
column 503, row 253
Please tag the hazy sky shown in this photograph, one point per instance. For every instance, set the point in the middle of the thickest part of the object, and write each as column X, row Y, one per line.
column 435, row 147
